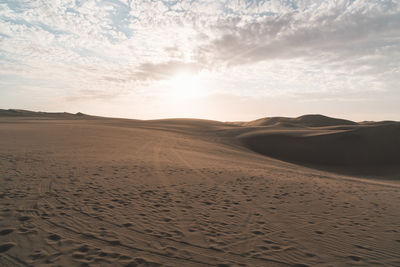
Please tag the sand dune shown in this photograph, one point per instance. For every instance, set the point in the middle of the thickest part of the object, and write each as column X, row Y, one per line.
column 377, row 145
column 89, row 191
column 314, row 120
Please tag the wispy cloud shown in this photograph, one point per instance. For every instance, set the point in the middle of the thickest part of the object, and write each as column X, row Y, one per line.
column 160, row 71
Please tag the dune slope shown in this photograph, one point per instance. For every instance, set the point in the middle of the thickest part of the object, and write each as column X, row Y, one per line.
column 376, row 145
column 113, row 192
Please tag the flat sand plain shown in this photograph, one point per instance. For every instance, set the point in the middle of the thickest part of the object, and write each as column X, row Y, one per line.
column 83, row 191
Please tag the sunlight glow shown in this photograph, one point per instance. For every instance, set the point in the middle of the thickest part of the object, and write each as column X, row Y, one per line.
column 184, row 86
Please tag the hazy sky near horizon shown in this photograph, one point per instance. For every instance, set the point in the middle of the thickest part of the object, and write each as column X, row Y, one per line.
column 224, row 60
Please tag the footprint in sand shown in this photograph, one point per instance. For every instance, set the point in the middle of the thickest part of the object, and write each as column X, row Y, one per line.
column 6, row 231
column 24, row 218
column 78, row 256
column 38, row 255
column 355, row 258
column 6, row 246
column 54, row 237
column 258, row 233
column 268, row 241
column 83, row 249
column 114, row 242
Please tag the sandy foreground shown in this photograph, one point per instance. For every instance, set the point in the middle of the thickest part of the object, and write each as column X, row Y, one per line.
column 114, row 192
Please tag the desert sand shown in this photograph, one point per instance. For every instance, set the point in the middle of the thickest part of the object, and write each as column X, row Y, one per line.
column 77, row 190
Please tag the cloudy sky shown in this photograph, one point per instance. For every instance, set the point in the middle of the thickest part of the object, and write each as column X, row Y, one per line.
column 224, row 60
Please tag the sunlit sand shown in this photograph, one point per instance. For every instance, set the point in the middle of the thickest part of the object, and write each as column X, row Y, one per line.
column 78, row 190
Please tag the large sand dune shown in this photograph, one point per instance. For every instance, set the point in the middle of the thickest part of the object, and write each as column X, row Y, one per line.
column 77, row 190
column 314, row 120
column 372, row 145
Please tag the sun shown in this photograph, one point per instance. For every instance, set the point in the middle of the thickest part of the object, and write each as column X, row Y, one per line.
column 184, row 86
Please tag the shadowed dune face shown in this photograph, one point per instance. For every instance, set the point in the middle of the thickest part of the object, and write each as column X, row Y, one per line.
column 342, row 146
column 374, row 145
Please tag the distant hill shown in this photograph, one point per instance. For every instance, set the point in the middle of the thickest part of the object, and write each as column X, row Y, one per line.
column 313, row 120
column 27, row 113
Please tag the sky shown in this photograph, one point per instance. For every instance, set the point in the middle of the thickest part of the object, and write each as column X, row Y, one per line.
column 222, row 60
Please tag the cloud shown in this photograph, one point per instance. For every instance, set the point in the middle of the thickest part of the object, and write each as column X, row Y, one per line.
column 334, row 32
column 160, row 71
column 100, row 49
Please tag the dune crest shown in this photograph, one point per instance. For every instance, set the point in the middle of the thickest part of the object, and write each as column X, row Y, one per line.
column 311, row 120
